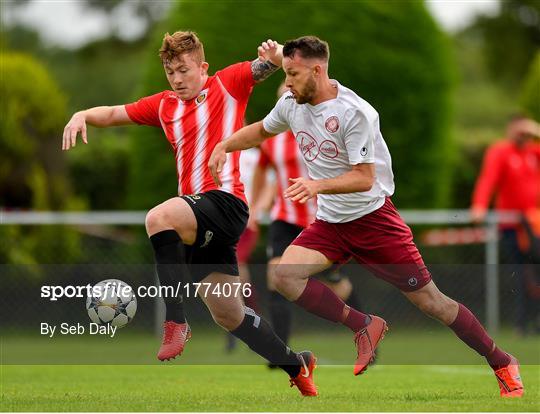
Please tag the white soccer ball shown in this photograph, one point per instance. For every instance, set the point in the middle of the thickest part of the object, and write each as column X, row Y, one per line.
column 111, row 301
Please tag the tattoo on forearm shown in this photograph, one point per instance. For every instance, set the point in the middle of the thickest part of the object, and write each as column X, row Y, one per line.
column 262, row 70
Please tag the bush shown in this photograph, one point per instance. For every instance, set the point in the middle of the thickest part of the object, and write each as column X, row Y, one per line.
column 530, row 91
column 100, row 170
column 33, row 111
column 32, row 173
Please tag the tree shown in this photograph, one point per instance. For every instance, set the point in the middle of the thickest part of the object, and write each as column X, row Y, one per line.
column 530, row 91
column 33, row 111
column 391, row 53
column 510, row 38
column 32, row 174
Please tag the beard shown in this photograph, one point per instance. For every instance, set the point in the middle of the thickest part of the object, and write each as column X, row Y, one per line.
column 308, row 93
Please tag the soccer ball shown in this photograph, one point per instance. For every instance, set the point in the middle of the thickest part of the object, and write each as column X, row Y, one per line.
column 111, row 301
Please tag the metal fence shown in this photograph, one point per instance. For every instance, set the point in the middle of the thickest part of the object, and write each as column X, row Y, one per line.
column 464, row 261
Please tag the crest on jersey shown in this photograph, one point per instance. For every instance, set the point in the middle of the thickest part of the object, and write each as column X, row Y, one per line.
column 332, row 124
column 200, row 99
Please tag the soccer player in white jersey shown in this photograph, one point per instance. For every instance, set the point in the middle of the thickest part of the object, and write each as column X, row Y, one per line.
column 350, row 172
column 197, row 230
column 281, row 155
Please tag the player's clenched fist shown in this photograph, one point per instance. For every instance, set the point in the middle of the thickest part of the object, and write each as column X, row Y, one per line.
column 270, row 51
column 302, row 189
column 76, row 124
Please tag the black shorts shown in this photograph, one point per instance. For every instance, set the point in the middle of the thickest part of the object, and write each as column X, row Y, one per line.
column 221, row 219
column 281, row 234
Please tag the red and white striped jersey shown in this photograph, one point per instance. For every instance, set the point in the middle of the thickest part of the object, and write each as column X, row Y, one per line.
column 282, row 153
column 195, row 127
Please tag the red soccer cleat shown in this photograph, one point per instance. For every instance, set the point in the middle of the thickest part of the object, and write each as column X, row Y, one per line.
column 366, row 342
column 175, row 336
column 304, row 380
column 509, row 379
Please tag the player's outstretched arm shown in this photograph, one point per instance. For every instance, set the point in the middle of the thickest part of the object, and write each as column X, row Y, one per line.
column 359, row 179
column 247, row 137
column 269, row 60
column 100, row 116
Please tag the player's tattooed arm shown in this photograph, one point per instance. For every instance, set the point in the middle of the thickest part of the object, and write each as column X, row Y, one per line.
column 270, row 56
column 262, row 70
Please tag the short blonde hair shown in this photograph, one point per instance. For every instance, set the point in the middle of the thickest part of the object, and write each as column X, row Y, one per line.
column 180, row 43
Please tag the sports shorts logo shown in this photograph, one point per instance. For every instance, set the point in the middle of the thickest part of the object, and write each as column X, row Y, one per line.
column 412, row 281
column 328, row 149
column 207, row 238
column 332, row 124
column 308, row 146
column 363, row 151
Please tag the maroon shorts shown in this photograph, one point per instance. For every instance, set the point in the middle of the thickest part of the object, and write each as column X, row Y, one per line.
column 246, row 245
column 380, row 241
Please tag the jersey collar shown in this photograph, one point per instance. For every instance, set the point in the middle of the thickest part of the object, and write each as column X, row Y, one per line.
column 319, row 108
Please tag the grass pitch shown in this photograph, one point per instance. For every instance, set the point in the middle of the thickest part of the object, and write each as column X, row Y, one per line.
column 185, row 385
column 256, row 388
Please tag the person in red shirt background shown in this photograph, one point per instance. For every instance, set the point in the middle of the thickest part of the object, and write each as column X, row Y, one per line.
column 511, row 170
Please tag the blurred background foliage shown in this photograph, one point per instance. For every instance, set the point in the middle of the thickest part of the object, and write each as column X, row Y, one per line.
column 33, row 111
column 510, row 39
column 530, row 91
column 442, row 97
column 32, row 169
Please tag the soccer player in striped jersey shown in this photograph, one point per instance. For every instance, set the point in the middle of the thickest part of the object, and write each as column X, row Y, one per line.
column 197, row 231
column 350, row 172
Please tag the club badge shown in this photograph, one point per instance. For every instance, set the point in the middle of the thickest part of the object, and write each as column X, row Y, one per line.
column 200, row 99
column 332, row 124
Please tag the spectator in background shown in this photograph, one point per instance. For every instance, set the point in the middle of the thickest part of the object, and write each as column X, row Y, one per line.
column 529, row 243
column 511, row 170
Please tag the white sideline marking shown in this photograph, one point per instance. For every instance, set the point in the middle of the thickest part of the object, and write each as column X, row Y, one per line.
column 459, row 370
column 482, row 371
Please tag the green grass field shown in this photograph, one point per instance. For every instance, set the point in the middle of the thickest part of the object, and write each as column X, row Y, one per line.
column 255, row 388
column 185, row 385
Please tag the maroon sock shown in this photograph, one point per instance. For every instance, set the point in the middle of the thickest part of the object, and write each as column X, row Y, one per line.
column 471, row 331
column 498, row 358
column 356, row 320
column 319, row 299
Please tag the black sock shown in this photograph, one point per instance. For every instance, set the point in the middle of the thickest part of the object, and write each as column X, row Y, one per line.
column 171, row 268
column 259, row 336
column 281, row 316
column 353, row 300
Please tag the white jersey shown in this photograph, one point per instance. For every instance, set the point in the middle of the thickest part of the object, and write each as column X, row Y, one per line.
column 333, row 136
column 248, row 162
